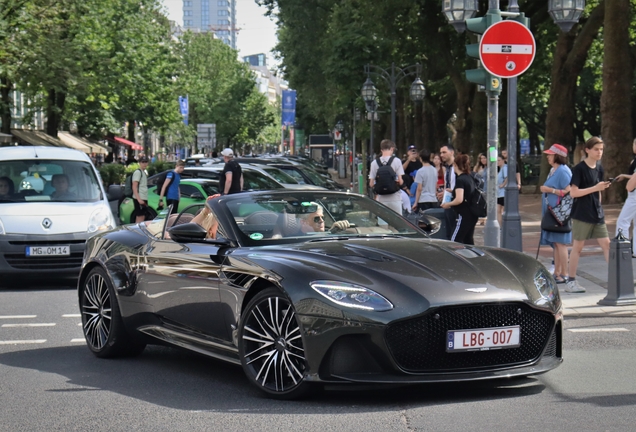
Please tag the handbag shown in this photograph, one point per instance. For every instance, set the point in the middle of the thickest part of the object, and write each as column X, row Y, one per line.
column 549, row 223
column 563, row 209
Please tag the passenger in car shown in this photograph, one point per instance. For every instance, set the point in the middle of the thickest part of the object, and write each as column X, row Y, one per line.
column 7, row 188
column 208, row 220
column 61, row 184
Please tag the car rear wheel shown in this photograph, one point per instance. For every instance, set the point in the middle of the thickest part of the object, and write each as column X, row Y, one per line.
column 271, row 346
column 103, row 326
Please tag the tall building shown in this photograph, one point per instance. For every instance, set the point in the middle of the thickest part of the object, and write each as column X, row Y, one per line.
column 268, row 83
column 218, row 16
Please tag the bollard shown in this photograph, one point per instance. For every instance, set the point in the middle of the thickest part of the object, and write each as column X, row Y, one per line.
column 620, row 281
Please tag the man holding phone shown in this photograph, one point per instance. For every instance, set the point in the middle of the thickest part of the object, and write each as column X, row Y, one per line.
column 588, row 219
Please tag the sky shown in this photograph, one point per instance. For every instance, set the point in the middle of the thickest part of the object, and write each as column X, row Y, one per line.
column 257, row 34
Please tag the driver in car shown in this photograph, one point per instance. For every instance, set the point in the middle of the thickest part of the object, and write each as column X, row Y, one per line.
column 315, row 222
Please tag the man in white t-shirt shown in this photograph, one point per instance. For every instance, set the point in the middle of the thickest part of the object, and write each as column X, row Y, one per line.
column 394, row 200
column 426, row 179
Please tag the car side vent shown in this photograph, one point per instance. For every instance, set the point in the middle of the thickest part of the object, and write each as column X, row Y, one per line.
column 239, row 279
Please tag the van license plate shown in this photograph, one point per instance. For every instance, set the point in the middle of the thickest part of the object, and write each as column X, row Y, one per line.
column 34, row 251
column 483, row 339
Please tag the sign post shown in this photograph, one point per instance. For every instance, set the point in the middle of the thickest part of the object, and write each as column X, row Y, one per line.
column 206, row 136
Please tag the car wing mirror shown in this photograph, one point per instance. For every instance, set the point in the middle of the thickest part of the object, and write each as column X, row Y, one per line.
column 197, row 195
column 187, row 232
column 429, row 224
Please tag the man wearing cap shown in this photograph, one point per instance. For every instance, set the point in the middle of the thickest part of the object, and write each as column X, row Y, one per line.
column 231, row 180
column 411, row 164
column 140, row 190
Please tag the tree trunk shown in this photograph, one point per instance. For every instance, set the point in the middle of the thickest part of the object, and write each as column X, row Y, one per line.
column 6, row 102
column 54, row 110
column 616, row 128
column 569, row 58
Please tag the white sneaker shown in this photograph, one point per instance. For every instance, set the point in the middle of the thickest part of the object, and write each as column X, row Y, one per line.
column 551, row 270
column 573, row 287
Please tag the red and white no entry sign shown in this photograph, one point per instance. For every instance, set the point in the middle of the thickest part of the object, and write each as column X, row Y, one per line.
column 507, row 49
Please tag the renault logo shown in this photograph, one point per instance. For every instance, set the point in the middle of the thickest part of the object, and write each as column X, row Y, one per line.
column 46, row 223
column 477, row 290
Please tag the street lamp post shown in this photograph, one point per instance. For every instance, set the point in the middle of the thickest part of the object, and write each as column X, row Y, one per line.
column 565, row 15
column 393, row 77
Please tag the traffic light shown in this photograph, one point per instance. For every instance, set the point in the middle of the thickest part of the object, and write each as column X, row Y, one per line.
column 480, row 76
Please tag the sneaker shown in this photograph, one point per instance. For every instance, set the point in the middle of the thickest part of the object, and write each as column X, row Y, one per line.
column 573, row 286
column 551, row 270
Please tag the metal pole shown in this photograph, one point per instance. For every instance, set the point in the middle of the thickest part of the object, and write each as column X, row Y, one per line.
column 511, row 218
column 491, row 231
column 393, row 97
column 353, row 154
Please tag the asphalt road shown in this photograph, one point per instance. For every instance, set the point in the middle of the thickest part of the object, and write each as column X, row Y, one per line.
column 50, row 381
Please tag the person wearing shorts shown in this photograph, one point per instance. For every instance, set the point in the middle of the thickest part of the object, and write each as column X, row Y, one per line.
column 588, row 219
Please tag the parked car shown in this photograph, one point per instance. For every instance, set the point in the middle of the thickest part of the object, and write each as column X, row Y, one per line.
column 305, row 288
column 54, row 203
column 193, row 191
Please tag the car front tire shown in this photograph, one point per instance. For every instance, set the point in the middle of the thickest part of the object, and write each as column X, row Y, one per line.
column 271, row 346
column 102, row 323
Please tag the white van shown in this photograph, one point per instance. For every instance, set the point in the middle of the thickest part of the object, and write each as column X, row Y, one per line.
column 51, row 201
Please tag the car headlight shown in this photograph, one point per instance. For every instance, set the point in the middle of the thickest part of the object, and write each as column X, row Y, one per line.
column 2, row 231
column 545, row 284
column 353, row 296
column 100, row 220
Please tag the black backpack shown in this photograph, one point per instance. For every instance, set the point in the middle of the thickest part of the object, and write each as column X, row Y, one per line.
column 385, row 183
column 477, row 202
column 128, row 190
column 161, row 179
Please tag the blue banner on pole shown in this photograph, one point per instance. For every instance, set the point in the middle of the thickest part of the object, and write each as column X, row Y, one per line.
column 289, row 107
column 184, row 107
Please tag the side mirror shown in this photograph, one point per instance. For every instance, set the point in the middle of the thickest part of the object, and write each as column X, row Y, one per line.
column 194, row 233
column 429, row 224
column 188, row 232
column 197, row 195
column 115, row 193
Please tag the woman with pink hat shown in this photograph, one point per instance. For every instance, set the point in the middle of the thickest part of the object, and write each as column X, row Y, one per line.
column 555, row 187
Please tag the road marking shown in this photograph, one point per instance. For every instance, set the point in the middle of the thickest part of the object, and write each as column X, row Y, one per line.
column 592, row 330
column 17, row 316
column 78, row 340
column 71, row 316
column 16, row 342
column 30, row 325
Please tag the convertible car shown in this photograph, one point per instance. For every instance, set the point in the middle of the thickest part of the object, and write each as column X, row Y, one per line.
column 307, row 288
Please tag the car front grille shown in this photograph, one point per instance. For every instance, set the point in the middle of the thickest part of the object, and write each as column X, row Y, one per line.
column 419, row 344
column 22, row 262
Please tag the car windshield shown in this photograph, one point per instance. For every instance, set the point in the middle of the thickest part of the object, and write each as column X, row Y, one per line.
column 48, row 180
column 315, row 178
column 256, row 181
column 273, row 218
column 280, row 176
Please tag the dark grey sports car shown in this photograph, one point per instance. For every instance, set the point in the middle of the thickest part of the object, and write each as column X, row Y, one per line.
column 310, row 287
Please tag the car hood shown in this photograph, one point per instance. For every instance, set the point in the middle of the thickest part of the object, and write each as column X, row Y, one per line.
column 28, row 218
column 442, row 272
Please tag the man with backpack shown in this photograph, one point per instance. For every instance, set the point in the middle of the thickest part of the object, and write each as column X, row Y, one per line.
column 385, row 177
column 140, row 190
column 168, row 185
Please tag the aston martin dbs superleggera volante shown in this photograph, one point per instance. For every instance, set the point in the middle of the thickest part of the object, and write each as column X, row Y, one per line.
column 304, row 288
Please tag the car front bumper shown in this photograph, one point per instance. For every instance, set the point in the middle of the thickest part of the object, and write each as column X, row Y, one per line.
column 15, row 262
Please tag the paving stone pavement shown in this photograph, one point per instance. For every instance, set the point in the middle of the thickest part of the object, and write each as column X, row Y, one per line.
column 592, row 273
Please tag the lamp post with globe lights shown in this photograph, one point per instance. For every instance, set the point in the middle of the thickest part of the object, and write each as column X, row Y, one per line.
column 393, row 77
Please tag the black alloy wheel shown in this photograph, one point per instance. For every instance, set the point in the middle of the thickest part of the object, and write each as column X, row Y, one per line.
column 271, row 346
column 101, row 320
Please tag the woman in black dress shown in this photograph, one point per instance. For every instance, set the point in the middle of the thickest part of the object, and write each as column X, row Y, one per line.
column 464, row 188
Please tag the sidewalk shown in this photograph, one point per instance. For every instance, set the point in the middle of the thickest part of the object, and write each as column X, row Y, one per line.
column 592, row 272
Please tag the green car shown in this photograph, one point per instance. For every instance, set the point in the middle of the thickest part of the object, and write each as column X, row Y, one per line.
column 193, row 191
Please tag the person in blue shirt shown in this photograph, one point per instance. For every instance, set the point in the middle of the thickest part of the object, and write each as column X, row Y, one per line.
column 171, row 187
